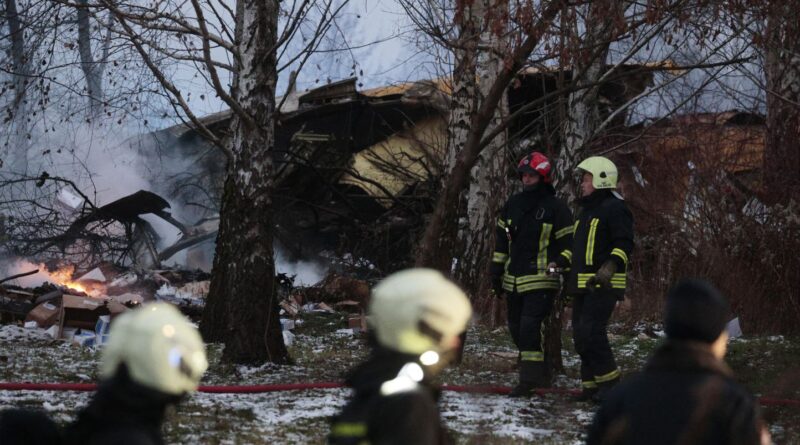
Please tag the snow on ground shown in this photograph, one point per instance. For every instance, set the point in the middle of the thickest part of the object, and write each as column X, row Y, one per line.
column 323, row 352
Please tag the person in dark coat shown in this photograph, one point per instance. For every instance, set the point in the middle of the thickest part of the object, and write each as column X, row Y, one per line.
column 533, row 229
column 598, row 262
column 24, row 427
column 154, row 357
column 686, row 393
column 416, row 317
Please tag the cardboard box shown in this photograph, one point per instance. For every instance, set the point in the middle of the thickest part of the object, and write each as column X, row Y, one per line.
column 101, row 340
column 84, row 338
column 288, row 338
column 68, row 333
column 45, row 315
column 358, row 323
column 83, row 312
column 287, row 324
column 103, row 325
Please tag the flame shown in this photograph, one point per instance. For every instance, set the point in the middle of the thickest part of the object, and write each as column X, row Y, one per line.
column 63, row 277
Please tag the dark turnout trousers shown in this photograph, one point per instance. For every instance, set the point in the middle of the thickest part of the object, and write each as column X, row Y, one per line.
column 590, row 314
column 526, row 314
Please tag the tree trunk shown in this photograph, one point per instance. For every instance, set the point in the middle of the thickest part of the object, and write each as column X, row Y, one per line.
column 463, row 103
column 91, row 71
column 782, row 154
column 242, row 306
column 582, row 120
column 436, row 246
column 487, row 186
column 18, row 139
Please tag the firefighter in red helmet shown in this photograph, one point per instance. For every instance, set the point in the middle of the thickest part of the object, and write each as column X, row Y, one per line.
column 533, row 229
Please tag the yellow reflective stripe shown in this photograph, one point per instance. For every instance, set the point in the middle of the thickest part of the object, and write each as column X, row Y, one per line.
column 607, row 377
column 349, row 429
column 618, row 280
column 538, row 285
column 544, row 241
column 575, row 226
column 532, row 278
column 565, row 231
column 590, row 241
column 567, row 254
column 499, row 257
column 620, row 253
column 589, row 384
column 532, row 356
column 501, row 223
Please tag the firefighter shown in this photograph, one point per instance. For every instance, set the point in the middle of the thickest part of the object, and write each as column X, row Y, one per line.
column 602, row 244
column 534, row 228
column 415, row 319
column 153, row 358
column 686, row 393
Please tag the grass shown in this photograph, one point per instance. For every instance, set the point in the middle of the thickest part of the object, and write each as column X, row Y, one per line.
column 322, row 351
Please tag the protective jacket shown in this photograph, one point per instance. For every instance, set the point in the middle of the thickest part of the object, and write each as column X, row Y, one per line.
column 385, row 408
column 603, row 231
column 121, row 412
column 25, row 427
column 684, row 396
column 533, row 229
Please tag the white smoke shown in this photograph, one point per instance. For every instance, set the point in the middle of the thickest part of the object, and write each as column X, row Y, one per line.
column 18, row 266
column 306, row 273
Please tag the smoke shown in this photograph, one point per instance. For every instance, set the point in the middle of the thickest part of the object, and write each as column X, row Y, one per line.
column 21, row 266
column 306, row 273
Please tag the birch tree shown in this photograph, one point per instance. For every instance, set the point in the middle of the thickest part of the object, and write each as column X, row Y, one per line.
column 241, row 307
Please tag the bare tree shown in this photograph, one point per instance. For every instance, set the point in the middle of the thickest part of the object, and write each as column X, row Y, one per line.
column 241, row 308
column 19, row 71
column 439, row 240
column 782, row 69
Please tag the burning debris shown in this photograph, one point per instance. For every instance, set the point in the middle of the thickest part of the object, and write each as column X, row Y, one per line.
column 77, row 304
column 79, row 308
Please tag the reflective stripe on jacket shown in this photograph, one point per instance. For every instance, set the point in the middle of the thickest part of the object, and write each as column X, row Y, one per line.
column 603, row 231
column 533, row 229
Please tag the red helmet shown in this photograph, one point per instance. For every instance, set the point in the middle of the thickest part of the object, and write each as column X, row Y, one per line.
column 536, row 163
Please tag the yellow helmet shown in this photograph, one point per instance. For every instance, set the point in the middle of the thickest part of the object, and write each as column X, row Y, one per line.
column 604, row 172
column 160, row 347
column 418, row 310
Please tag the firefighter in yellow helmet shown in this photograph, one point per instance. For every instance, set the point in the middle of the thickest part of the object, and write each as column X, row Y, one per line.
column 415, row 317
column 153, row 358
column 602, row 244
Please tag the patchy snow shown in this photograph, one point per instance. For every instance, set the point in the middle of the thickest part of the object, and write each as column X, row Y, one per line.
column 324, row 352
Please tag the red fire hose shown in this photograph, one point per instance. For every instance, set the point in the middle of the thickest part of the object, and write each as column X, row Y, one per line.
column 251, row 389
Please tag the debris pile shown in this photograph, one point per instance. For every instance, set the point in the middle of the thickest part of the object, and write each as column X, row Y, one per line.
column 78, row 306
column 80, row 309
column 334, row 294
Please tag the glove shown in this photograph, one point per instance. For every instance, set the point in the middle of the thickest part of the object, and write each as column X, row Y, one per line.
column 552, row 265
column 497, row 286
column 603, row 276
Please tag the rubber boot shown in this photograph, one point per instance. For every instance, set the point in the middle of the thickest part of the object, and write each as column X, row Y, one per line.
column 586, row 394
column 532, row 375
column 603, row 389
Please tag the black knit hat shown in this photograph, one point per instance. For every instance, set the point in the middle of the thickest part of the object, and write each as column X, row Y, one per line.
column 696, row 310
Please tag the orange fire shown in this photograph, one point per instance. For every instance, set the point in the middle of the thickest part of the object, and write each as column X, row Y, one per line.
column 63, row 277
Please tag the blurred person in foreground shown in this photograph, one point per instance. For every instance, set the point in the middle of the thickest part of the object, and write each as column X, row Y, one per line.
column 153, row 359
column 686, row 393
column 415, row 317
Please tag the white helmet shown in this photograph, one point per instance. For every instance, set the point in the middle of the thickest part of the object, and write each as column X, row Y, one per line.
column 160, row 347
column 418, row 310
